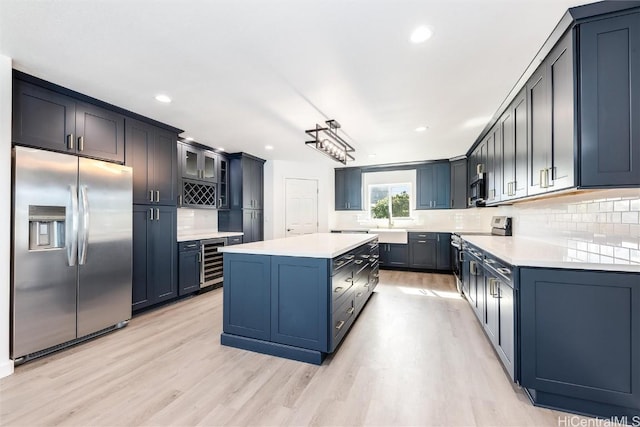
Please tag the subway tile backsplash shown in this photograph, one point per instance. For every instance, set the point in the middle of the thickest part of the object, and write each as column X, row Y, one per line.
column 597, row 226
column 197, row 220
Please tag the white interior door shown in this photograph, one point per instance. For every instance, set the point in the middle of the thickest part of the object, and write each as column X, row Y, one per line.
column 301, row 206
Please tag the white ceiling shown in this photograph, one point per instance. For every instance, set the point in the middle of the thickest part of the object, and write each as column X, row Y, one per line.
column 245, row 74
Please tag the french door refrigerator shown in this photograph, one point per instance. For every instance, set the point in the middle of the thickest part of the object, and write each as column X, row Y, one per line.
column 71, row 253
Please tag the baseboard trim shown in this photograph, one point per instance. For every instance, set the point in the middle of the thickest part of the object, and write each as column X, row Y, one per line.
column 6, row 368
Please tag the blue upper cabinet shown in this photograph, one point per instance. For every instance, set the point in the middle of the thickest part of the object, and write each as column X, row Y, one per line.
column 348, row 189
column 610, row 101
column 434, row 186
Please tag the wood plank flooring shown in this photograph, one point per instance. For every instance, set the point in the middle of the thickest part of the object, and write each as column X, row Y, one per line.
column 415, row 356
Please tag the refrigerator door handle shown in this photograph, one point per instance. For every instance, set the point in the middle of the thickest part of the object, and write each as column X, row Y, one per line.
column 72, row 246
column 83, row 239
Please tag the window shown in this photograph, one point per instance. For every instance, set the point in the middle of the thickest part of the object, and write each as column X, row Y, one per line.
column 389, row 200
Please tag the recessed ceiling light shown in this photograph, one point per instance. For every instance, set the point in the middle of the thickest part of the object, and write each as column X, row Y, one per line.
column 477, row 122
column 421, row 128
column 221, row 149
column 189, row 138
column 268, row 147
column 421, row 34
column 373, row 155
column 163, row 98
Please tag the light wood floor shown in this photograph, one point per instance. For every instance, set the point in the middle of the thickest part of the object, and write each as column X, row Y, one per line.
column 415, row 356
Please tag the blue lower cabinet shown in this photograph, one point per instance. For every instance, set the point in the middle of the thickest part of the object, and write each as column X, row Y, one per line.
column 294, row 307
column 580, row 340
column 247, row 295
column 299, row 303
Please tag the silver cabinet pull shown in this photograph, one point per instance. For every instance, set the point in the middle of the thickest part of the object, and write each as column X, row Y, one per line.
column 220, row 202
column 504, row 271
column 542, row 178
column 492, row 286
column 351, row 310
column 80, row 143
column 338, row 289
column 550, row 177
column 151, row 214
column 422, row 241
column 180, row 199
column 490, row 261
column 199, row 256
column 157, row 195
column 151, row 195
column 358, row 261
column 340, row 325
column 157, row 214
column 70, row 141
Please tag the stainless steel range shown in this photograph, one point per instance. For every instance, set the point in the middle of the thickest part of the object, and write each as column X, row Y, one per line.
column 500, row 226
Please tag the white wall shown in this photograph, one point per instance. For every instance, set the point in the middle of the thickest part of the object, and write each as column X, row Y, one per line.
column 275, row 173
column 6, row 365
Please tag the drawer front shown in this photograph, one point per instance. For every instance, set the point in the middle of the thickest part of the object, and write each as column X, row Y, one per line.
column 234, row 240
column 340, row 284
column 361, row 294
column 189, row 246
column 422, row 236
column 342, row 320
column 342, row 263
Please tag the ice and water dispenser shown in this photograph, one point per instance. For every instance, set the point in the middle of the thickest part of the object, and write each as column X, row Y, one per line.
column 46, row 227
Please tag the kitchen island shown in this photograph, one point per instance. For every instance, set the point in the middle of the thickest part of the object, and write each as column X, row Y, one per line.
column 297, row 297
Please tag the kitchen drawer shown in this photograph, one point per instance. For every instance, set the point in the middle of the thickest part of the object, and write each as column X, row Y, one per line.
column 340, row 284
column 361, row 294
column 189, row 246
column 422, row 236
column 234, row 240
column 342, row 320
column 342, row 263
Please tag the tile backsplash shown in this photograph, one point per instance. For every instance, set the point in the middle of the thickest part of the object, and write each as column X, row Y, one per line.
column 197, row 220
column 597, row 226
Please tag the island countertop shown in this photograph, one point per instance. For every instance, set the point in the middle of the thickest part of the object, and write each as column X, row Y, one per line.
column 318, row 245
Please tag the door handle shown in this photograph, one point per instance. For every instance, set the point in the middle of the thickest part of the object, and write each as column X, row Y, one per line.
column 84, row 202
column 157, row 195
column 542, row 178
column 80, row 143
column 151, row 214
column 157, row 214
column 70, row 141
column 151, row 195
column 72, row 252
column 180, row 199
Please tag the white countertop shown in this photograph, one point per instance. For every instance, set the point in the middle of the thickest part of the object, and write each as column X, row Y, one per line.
column 319, row 245
column 527, row 252
column 201, row 235
column 418, row 230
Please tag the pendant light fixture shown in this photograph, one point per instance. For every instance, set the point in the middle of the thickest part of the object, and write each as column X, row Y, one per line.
column 327, row 141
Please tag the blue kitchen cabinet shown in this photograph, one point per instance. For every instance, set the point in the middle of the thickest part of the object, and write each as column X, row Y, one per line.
column 348, row 189
column 189, row 264
column 610, row 102
column 247, row 295
column 299, row 303
column 580, row 340
column 394, row 255
column 433, row 186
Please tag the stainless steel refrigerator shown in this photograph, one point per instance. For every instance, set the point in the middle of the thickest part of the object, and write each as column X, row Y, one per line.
column 71, row 253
